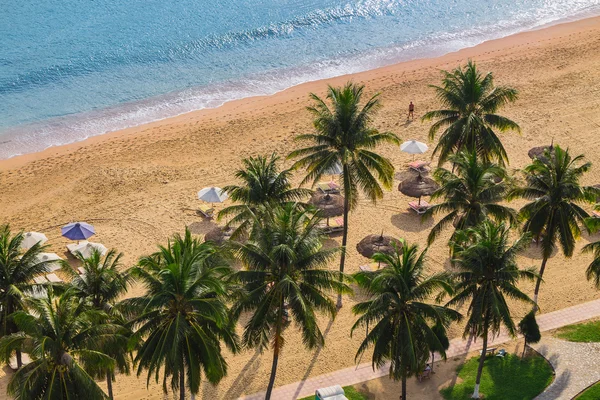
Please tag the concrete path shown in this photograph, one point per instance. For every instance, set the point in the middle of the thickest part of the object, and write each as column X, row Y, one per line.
column 364, row 372
column 577, row 366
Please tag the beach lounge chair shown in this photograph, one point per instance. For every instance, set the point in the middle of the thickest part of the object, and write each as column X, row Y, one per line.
column 206, row 210
column 491, row 351
column 330, row 393
column 419, row 166
column 501, row 353
column 328, row 187
column 365, row 268
column 53, row 278
column 81, row 270
column 419, row 208
column 595, row 214
column 40, row 279
column 335, row 225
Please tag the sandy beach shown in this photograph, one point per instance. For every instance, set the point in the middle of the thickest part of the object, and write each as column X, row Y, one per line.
column 138, row 186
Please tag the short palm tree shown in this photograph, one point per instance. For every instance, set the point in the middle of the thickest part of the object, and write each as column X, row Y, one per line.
column 486, row 277
column 400, row 314
column 285, row 276
column 182, row 319
column 593, row 271
column 62, row 336
column 470, row 194
column 17, row 270
column 469, row 118
column 554, row 213
column 101, row 283
column 263, row 186
column 345, row 136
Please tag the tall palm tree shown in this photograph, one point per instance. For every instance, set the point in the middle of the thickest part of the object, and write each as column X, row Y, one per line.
column 263, row 186
column 285, row 276
column 63, row 336
column 102, row 283
column 17, row 270
column 345, row 136
column 182, row 318
column 469, row 118
column 398, row 309
column 554, row 214
column 470, row 194
column 487, row 276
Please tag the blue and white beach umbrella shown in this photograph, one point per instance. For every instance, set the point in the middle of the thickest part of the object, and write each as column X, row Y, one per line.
column 78, row 231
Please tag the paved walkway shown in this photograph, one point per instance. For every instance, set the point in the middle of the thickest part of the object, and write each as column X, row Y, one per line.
column 458, row 346
column 576, row 365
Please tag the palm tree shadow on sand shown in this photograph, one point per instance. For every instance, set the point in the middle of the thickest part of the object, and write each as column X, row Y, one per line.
column 246, row 376
column 313, row 361
column 409, row 221
column 534, row 251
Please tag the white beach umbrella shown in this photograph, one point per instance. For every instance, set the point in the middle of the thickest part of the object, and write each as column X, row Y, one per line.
column 49, row 257
column 413, row 147
column 31, row 238
column 86, row 249
column 212, row 195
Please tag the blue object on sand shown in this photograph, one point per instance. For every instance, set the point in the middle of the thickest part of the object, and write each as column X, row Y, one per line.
column 77, row 231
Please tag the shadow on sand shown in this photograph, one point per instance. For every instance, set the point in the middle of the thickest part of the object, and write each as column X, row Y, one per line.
column 409, row 221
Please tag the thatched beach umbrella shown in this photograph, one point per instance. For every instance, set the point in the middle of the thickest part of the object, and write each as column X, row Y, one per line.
column 538, row 152
column 217, row 235
column 378, row 243
column 330, row 205
column 418, row 186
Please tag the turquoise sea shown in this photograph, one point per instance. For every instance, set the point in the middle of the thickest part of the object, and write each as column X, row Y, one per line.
column 71, row 69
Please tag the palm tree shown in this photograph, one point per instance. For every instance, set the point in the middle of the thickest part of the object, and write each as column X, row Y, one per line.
column 285, row 277
column 554, row 214
column 486, row 277
column 17, row 270
column 263, row 186
column 593, row 270
column 470, row 194
column 102, row 282
column 63, row 336
column 344, row 136
column 398, row 308
column 182, row 318
column 469, row 118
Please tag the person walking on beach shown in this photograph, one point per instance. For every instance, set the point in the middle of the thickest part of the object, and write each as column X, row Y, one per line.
column 411, row 111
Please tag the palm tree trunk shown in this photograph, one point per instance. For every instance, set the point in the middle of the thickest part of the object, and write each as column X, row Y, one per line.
column 481, row 362
column 182, row 383
column 109, row 385
column 19, row 359
column 538, row 283
column 403, row 396
column 344, row 241
column 524, row 348
column 276, row 347
column 432, row 360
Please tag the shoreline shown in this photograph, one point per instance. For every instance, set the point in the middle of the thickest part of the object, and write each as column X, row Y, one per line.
column 526, row 37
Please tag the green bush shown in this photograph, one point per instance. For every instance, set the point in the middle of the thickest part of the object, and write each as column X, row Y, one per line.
column 586, row 332
column 508, row 378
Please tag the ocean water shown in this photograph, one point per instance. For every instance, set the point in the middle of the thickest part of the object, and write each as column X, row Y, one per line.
column 72, row 69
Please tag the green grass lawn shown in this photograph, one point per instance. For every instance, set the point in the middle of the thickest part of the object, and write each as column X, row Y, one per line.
column 351, row 394
column 593, row 393
column 586, row 332
column 508, row 378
